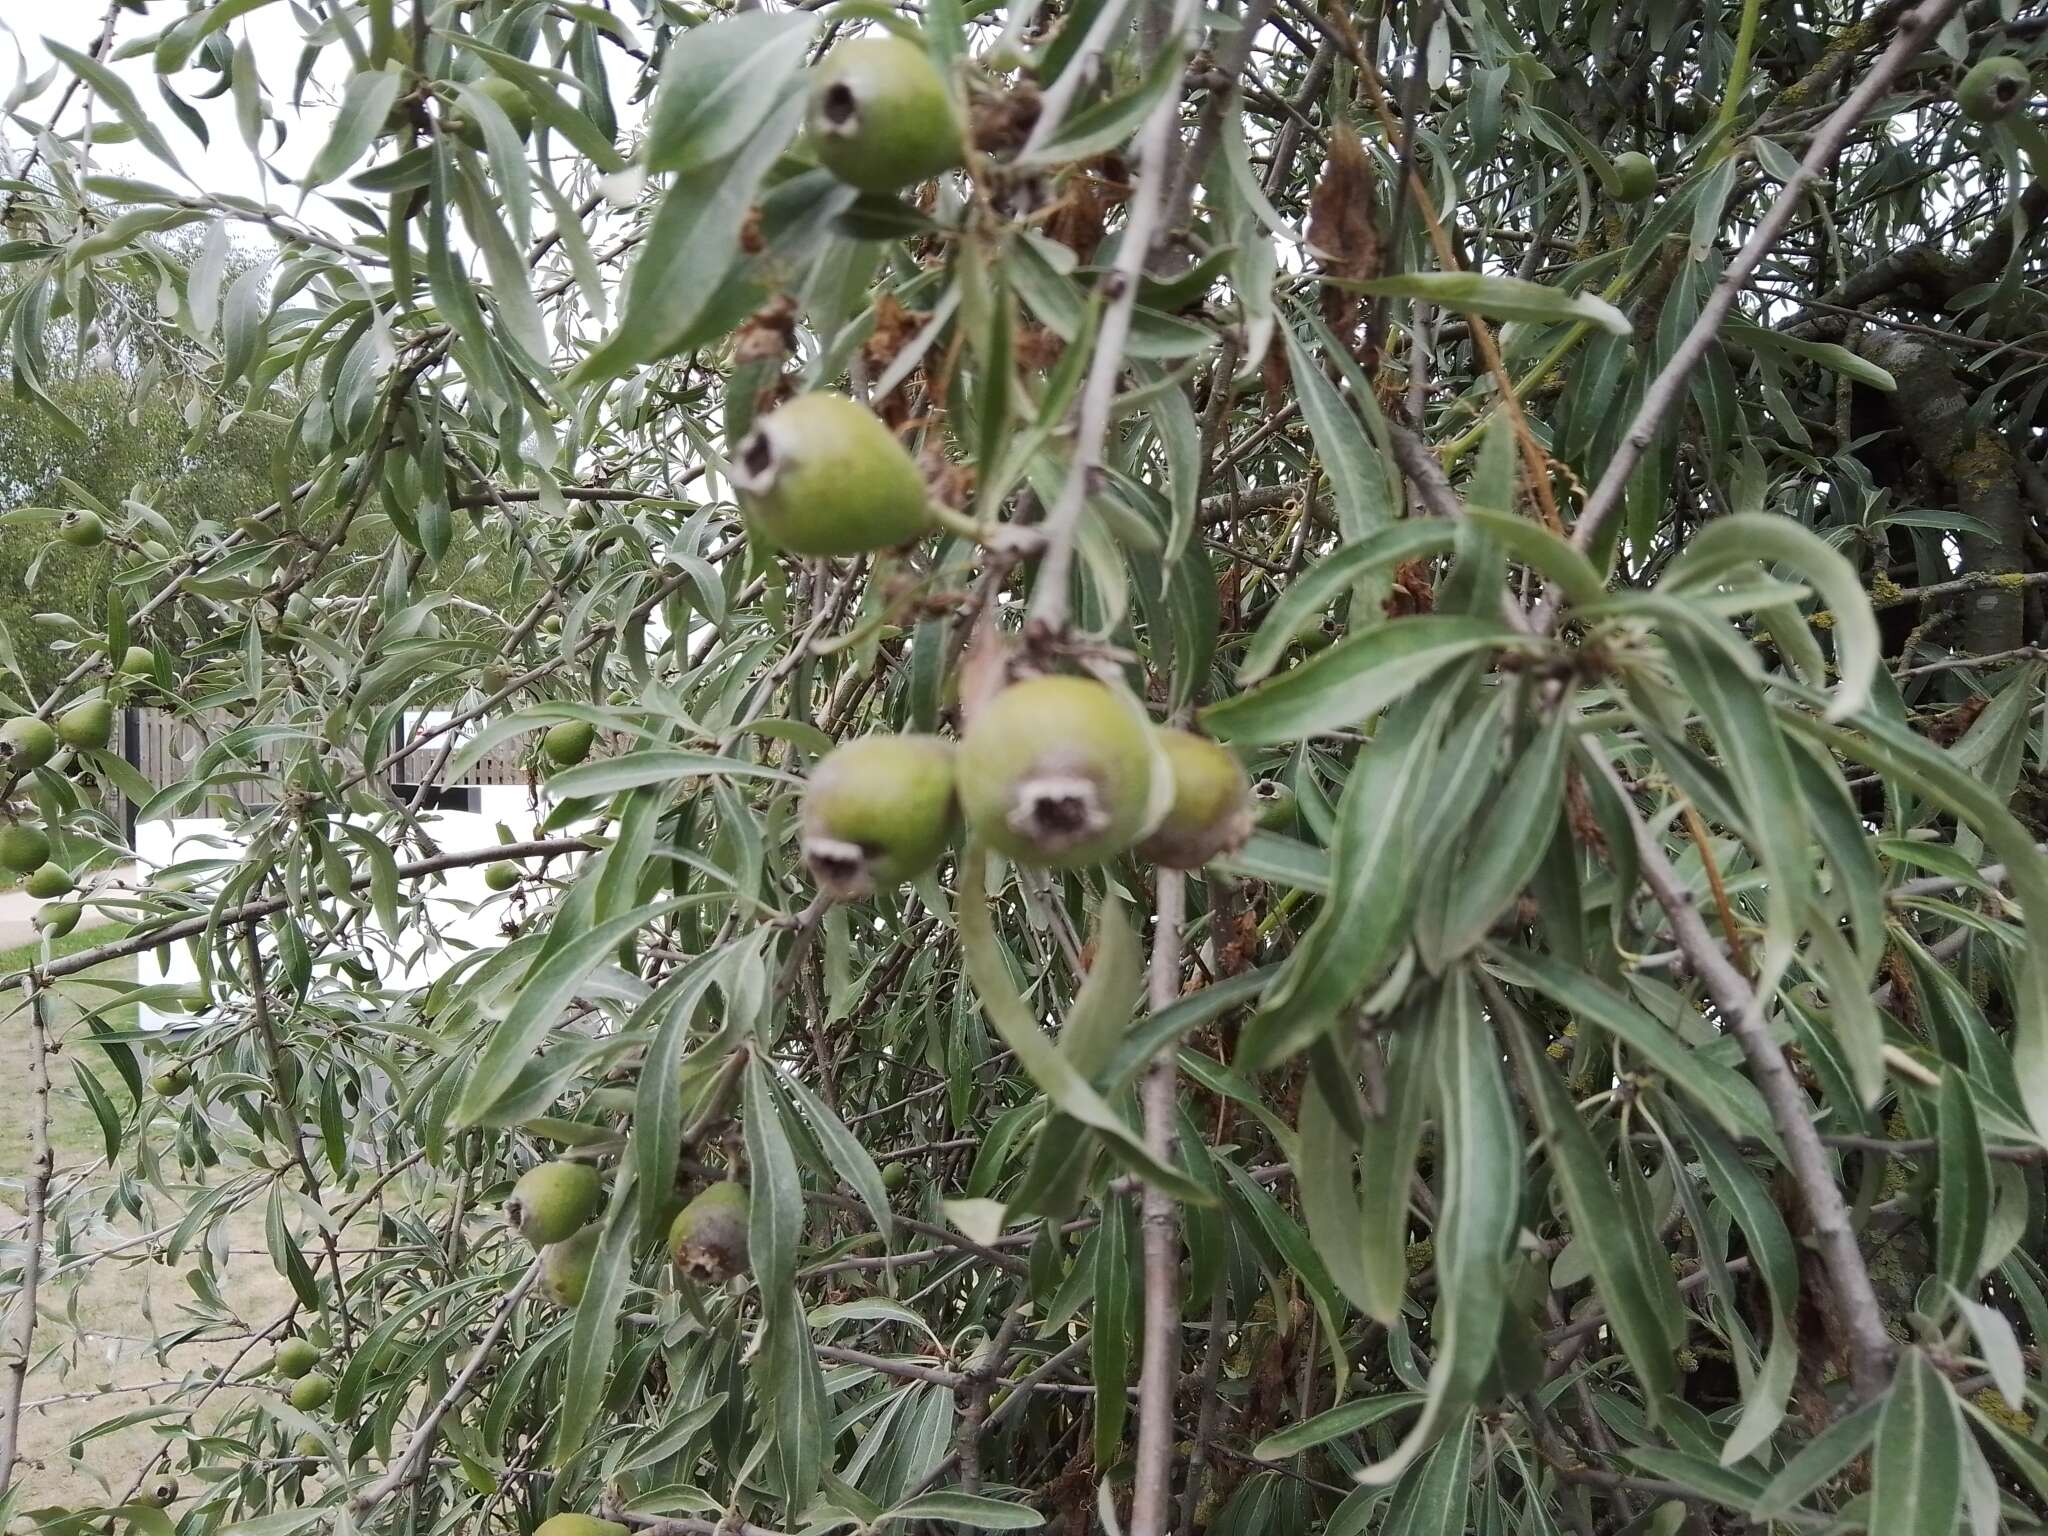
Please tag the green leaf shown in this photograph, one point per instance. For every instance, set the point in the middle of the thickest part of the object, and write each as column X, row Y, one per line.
column 538, row 1008
column 1818, row 1460
column 1479, row 1196
column 1365, row 496
column 595, row 1332
column 969, row 1509
column 719, row 84
column 1962, row 1190
column 1333, row 1424
column 1036, row 1054
column 653, row 765
column 365, row 107
column 1299, row 603
column 1917, row 1468
column 1363, row 923
column 1497, row 298
column 775, row 1219
column 1840, row 359
column 1635, row 1284
column 1343, row 687
column 111, row 89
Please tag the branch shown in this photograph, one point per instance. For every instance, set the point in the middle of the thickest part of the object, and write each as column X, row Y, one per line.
column 1668, row 388
column 1870, row 1349
column 1098, row 395
column 408, row 1464
column 1151, row 1498
column 41, row 1163
column 251, row 911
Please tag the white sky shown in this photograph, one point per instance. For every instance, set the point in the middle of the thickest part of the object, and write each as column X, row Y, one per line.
column 226, row 165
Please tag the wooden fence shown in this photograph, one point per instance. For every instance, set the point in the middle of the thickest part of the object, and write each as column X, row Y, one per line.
column 164, row 748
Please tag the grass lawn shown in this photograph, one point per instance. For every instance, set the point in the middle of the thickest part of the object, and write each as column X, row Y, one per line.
column 94, row 1355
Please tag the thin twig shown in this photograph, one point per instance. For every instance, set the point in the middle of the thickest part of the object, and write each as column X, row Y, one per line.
column 408, row 1465
column 1857, row 1306
column 1668, row 387
column 1098, row 395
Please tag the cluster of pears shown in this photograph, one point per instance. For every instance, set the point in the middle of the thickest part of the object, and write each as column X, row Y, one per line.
column 27, row 743
column 554, row 1206
column 1053, row 771
column 297, row 1361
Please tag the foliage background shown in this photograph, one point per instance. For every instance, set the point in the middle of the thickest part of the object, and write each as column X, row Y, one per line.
column 1611, row 1098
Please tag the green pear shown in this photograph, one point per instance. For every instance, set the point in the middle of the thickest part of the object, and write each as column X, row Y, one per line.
column 822, row 475
column 880, row 118
column 295, row 1357
column 311, row 1392
column 48, row 881
column 1635, row 177
column 168, row 1084
column 568, row 743
column 708, row 1239
column 578, row 1525
column 308, row 1444
column 88, row 723
column 552, row 1202
column 507, row 98
column 56, row 918
column 1212, row 804
column 1061, row 771
column 159, row 1492
column 82, row 529
column 1994, row 88
column 137, row 661
column 1274, row 804
column 895, row 1176
column 25, row 743
column 23, row 848
column 503, row 875
column 565, row 1267
column 878, row 811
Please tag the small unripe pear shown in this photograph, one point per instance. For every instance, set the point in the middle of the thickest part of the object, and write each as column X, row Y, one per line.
column 23, row 848
column 1995, row 87
column 878, row 811
column 708, row 1239
column 822, row 475
column 493, row 681
column 880, row 118
column 1273, row 804
column 895, row 1176
column 1635, row 177
column 311, row 1392
column 502, row 875
column 82, row 529
column 1061, row 771
column 1212, row 806
column 159, row 1492
column 25, row 743
column 308, row 1444
column 47, row 881
column 569, row 742
column 295, row 1357
column 56, row 918
column 168, row 1084
column 137, row 661
column 88, row 723
column 578, row 1525
column 507, row 98
column 565, row 1267
column 554, row 1201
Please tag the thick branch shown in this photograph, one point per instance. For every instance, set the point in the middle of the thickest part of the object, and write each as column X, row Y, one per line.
column 1151, row 1499
column 1870, row 1348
